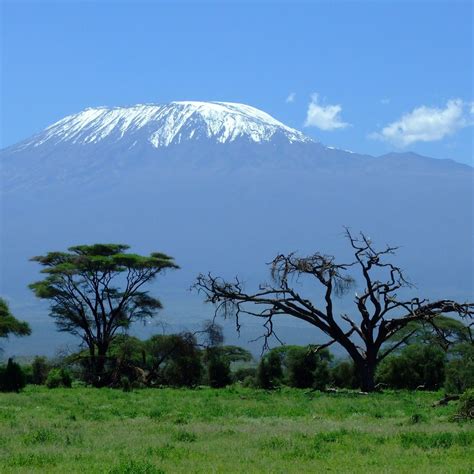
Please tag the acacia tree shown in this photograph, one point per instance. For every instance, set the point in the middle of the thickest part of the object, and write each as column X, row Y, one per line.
column 444, row 332
column 97, row 291
column 9, row 325
column 381, row 314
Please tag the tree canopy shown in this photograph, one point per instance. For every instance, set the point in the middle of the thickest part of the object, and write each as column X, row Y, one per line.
column 444, row 331
column 9, row 325
column 97, row 291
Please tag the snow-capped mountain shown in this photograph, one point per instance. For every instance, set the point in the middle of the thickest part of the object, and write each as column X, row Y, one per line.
column 222, row 187
column 164, row 125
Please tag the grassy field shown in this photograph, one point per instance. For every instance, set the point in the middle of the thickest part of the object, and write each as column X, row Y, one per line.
column 230, row 430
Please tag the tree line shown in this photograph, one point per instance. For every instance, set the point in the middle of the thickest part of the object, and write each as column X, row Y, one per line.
column 98, row 291
column 186, row 360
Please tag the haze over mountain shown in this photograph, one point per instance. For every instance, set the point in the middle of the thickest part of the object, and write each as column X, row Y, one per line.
column 221, row 187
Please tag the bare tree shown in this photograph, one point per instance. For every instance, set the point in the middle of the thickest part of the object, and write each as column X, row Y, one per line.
column 380, row 312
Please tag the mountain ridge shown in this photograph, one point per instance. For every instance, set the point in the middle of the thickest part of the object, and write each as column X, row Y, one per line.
column 165, row 124
column 151, row 125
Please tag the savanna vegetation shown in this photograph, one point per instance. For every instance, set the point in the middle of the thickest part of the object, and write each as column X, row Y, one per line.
column 401, row 400
column 234, row 429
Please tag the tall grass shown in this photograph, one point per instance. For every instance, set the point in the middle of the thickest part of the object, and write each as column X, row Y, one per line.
column 229, row 430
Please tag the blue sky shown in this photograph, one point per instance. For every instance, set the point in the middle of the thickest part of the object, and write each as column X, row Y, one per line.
column 366, row 76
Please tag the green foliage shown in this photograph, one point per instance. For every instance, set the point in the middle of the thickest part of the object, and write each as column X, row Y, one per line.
column 59, row 377
column 184, row 371
column 126, row 384
column 416, row 366
column 443, row 440
column 269, row 371
column 460, row 369
column 126, row 347
column 9, row 325
column 96, row 292
column 344, row 374
column 218, row 359
column 182, row 365
column 442, row 331
column 174, row 359
column 235, row 354
column 132, row 466
column 295, row 366
column 307, row 368
column 233, row 429
column 185, row 437
column 301, row 365
column 243, row 373
column 39, row 370
column 466, row 405
column 12, row 378
column 218, row 369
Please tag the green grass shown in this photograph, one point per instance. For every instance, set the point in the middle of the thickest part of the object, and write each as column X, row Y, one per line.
column 230, row 430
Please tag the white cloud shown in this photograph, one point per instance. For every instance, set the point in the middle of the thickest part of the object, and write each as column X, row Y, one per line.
column 290, row 98
column 425, row 124
column 385, row 101
column 324, row 117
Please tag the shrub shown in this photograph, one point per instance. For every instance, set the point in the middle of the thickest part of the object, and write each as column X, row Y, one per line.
column 59, row 378
column 243, row 373
column 269, row 372
column 125, row 384
column 344, row 375
column 135, row 467
column 300, row 366
column 39, row 370
column 12, row 378
column 176, row 358
column 183, row 371
column 416, row 366
column 460, row 369
column 218, row 371
column 185, row 436
column 250, row 381
column 466, row 405
column 307, row 368
column 322, row 374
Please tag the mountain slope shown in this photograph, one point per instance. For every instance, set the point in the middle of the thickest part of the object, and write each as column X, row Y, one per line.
column 164, row 125
column 226, row 198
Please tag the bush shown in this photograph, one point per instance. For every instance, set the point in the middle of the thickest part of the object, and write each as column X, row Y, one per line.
column 39, row 370
column 250, row 381
column 183, row 371
column 218, row 371
column 416, row 366
column 12, row 378
column 344, row 375
column 179, row 359
column 243, row 373
column 460, row 369
column 307, row 368
column 125, row 384
column 59, row 378
column 322, row 374
column 269, row 372
column 300, row 366
column 466, row 405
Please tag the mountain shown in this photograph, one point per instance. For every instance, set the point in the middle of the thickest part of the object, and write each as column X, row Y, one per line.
column 222, row 187
column 165, row 125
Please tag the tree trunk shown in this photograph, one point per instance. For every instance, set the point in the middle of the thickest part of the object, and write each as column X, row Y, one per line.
column 367, row 375
column 96, row 366
column 99, row 367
